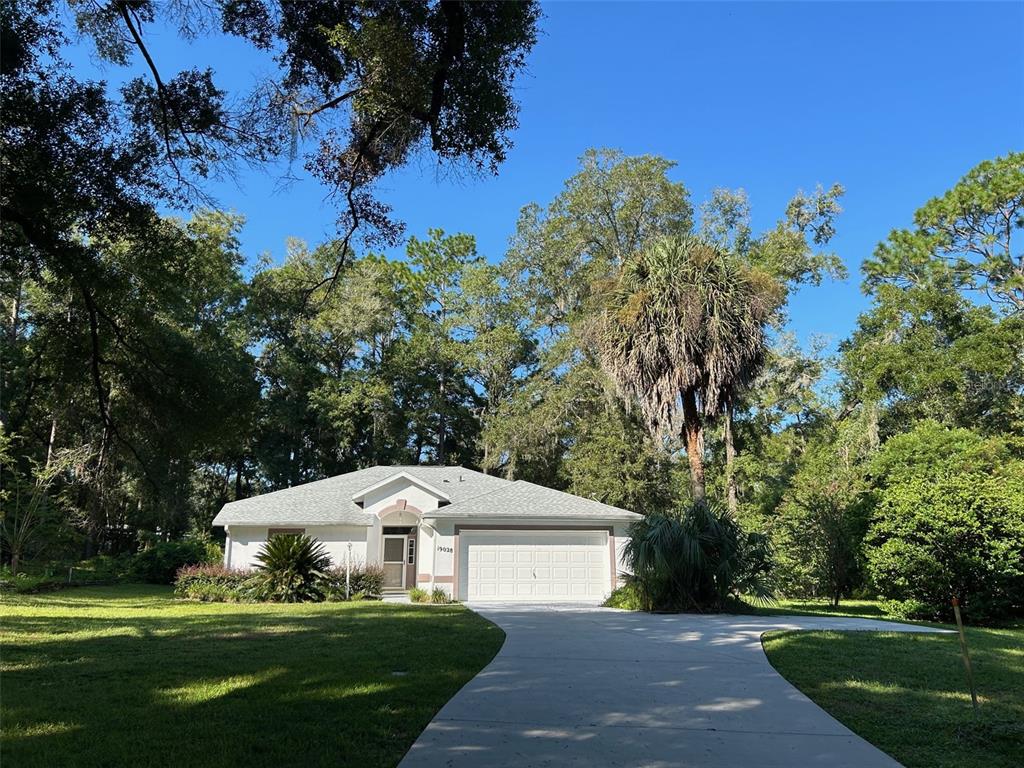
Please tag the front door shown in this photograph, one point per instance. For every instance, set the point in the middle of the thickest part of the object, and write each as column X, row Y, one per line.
column 394, row 562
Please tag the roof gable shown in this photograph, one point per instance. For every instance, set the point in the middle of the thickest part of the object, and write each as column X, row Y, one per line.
column 329, row 501
column 410, row 479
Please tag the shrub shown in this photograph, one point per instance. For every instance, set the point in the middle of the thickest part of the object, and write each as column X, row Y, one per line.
column 820, row 525
column 439, row 597
column 160, row 563
column 103, row 569
column 696, row 560
column 626, row 598
column 292, row 569
column 28, row 583
column 367, row 581
column 215, row 583
column 418, row 595
column 957, row 534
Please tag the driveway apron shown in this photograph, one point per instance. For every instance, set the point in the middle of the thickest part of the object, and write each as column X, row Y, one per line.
column 588, row 686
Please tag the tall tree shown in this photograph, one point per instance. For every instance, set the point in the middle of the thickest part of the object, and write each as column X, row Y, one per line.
column 963, row 240
column 791, row 252
column 611, row 208
column 440, row 349
column 683, row 327
column 944, row 338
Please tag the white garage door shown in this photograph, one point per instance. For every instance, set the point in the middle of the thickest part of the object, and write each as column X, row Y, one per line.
column 534, row 565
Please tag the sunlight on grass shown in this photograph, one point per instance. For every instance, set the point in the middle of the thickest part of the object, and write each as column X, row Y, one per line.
column 907, row 693
column 201, row 691
column 128, row 676
column 891, row 689
column 44, row 729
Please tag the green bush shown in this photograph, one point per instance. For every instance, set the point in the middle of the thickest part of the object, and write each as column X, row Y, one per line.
column 367, row 581
column 418, row 595
column 27, row 583
column 216, row 584
column 103, row 569
column 626, row 598
column 159, row 564
column 696, row 559
column 956, row 534
column 439, row 597
column 292, row 569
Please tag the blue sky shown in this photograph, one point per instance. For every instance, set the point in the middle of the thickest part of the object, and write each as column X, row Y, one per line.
column 894, row 101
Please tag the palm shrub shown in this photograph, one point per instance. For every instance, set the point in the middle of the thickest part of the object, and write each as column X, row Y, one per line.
column 696, row 560
column 292, row 569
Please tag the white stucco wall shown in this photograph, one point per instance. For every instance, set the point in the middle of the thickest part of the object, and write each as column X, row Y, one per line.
column 244, row 543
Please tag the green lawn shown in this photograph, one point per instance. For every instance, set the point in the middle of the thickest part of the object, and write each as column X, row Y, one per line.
column 865, row 609
column 128, row 676
column 907, row 693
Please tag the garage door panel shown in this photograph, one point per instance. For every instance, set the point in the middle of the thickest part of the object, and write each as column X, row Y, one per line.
column 535, row 565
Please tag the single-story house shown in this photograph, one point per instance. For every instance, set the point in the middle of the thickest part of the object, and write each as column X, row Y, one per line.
column 476, row 536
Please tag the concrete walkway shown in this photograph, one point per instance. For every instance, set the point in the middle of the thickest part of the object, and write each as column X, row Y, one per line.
column 586, row 686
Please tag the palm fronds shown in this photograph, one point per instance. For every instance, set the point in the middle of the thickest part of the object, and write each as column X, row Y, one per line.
column 684, row 317
column 696, row 560
column 291, row 568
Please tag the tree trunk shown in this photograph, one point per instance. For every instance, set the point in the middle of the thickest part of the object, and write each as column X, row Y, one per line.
column 15, row 311
column 694, row 437
column 49, row 444
column 442, row 431
column 730, row 466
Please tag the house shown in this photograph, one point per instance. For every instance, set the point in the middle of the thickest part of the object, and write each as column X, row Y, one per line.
column 476, row 536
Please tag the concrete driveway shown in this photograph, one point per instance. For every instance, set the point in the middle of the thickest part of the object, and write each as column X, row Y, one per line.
column 586, row 686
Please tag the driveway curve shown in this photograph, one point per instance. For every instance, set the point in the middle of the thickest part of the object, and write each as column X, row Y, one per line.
column 588, row 686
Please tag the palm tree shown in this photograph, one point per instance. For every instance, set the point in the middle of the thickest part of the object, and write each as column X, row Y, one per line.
column 683, row 327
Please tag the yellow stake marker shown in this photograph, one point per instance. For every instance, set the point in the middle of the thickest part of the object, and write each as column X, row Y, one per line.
column 963, row 649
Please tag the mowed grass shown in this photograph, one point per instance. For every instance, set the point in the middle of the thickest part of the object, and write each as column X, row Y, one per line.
column 129, row 676
column 907, row 693
column 864, row 609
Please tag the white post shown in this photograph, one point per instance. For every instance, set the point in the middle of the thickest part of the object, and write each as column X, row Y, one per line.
column 348, row 570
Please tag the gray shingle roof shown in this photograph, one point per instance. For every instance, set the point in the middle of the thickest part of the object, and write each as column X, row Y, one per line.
column 329, row 501
column 472, row 494
column 523, row 499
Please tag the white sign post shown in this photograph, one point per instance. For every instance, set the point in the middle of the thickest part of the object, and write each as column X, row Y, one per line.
column 348, row 570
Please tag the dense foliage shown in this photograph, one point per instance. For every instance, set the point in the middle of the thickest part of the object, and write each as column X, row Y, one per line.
column 696, row 559
column 160, row 563
column 217, row 584
column 949, row 522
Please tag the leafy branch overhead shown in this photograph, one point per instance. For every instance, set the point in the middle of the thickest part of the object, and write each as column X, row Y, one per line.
column 371, row 83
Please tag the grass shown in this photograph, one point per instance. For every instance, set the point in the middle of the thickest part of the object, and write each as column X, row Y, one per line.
column 907, row 693
column 128, row 676
column 863, row 609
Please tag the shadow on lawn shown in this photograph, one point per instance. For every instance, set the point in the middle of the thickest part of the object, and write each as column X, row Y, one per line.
column 274, row 687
